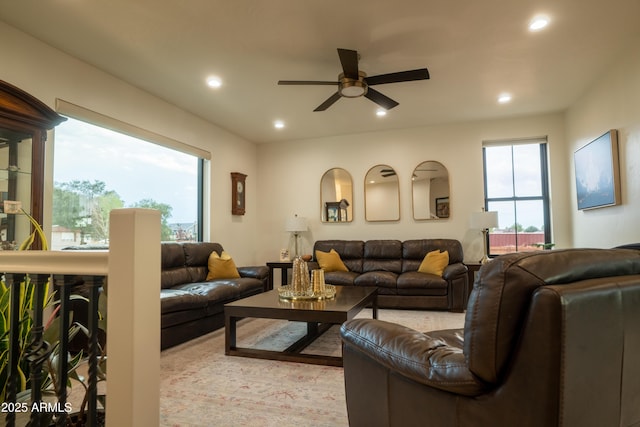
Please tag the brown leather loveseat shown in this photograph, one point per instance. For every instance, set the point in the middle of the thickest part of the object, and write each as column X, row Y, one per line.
column 391, row 266
column 192, row 306
column 551, row 338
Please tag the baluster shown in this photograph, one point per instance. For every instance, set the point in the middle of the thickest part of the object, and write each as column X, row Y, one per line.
column 38, row 350
column 63, row 345
column 13, row 281
column 94, row 283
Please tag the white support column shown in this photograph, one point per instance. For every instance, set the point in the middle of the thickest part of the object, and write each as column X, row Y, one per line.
column 133, row 319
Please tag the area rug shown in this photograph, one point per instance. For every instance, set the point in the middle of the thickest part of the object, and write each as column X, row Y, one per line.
column 200, row 386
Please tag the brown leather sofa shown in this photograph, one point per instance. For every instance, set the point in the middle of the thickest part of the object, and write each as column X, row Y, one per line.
column 192, row 306
column 551, row 338
column 391, row 266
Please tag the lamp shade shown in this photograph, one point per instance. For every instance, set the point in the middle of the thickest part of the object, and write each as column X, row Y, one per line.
column 296, row 224
column 484, row 220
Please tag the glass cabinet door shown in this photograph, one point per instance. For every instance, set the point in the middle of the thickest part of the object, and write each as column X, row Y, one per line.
column 15, row 187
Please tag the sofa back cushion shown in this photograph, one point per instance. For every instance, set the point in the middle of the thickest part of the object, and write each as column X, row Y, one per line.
column 502, row 292
column 414, row 251
column 173, row 270
column 351, row 252
column 382, row 255
column 197, row 258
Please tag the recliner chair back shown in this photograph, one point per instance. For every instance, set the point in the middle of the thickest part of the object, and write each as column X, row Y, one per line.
column 500, row 298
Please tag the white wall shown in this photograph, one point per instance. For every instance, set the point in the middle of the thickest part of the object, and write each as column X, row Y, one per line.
column 290, row 173
column 284, row 179
column 47, row 74
column 613, row 102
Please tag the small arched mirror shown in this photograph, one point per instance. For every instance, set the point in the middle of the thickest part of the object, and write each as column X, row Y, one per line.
column 336, row 196
column 430, row 187
column 381, row 194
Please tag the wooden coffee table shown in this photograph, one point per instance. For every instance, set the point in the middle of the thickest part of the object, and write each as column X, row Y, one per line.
column 319, row 316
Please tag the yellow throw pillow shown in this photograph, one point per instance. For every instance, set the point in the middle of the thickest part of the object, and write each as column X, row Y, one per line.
column 434, row 263
column 330, row 261
column 222, row 267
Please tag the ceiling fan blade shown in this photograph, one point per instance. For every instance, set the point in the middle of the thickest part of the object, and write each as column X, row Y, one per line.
column 329, row 102
column 349, row 61
column 306, row 82
column 380, row 99
column 402, row 76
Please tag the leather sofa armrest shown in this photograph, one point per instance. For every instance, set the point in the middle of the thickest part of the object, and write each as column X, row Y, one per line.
column 313, row 265
column 434, row 359
column 454, row 270
column 257, row 272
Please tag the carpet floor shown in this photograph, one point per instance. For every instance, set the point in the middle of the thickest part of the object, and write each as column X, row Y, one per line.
column 200, row 386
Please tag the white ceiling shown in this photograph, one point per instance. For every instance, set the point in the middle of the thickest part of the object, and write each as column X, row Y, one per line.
column 474, row 50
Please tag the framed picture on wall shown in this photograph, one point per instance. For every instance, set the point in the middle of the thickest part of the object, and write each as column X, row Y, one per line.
column 442, row 207
column 598, row 172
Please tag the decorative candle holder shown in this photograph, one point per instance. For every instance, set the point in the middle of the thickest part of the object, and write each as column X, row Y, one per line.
column 300, row 283
column 317, row 282
column 303, row 288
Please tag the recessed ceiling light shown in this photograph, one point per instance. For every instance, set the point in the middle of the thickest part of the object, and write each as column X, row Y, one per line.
column 278, row 124
column 504, row 98
column 214, row 82
column 538, row 23
column 381, row 112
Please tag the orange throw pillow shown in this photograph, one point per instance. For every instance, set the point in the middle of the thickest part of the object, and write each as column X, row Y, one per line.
column 330, row 261
column 434, row 263
column 222, row 267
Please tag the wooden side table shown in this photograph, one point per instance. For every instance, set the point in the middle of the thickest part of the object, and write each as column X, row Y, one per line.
column 284, row 267
column 472, row 272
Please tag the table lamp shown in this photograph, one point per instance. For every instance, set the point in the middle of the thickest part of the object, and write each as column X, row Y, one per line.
column 484, row 221
column 296, row 225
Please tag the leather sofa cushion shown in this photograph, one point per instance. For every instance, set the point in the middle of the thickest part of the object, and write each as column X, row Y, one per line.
column 197, row 254
column 382, row 255
column 174, row 276
column 416, row 283
column 344, row 278
column 380, row 279
column 172, row 300
column 210, row 291
column 414, row 251
column 351, row 252
column 179, row 317
column 172, row 255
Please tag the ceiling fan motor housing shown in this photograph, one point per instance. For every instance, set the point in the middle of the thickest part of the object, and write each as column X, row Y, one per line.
column 352, row 88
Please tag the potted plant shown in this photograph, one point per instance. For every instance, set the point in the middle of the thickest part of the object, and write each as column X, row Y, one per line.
column 50, row 384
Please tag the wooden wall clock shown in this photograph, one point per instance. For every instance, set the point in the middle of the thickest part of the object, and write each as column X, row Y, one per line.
column 238, row 190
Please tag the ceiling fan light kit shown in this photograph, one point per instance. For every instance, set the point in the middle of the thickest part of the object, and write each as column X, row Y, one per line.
column 353, row 83
column 350, row 88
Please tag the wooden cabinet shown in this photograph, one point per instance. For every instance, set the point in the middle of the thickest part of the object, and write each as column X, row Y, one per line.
column 24, row 122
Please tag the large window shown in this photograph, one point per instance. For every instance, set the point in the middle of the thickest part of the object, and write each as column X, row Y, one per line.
column 97, row 169
column 516, row 186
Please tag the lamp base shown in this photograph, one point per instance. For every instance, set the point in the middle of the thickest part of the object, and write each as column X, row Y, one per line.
column 485, row 245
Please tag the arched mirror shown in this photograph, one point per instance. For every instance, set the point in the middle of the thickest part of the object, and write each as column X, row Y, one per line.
column 430, row 188
column 336, row 196
column 381, row 194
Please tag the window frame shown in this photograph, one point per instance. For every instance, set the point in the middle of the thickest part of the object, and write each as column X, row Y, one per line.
column 544, row 177
column 77, row 112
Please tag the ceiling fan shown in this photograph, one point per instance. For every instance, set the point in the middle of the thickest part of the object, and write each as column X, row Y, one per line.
column 385, row 173
column 353, row 83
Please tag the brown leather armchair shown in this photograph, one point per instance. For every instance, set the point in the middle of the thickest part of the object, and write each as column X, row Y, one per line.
column 551, row 338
